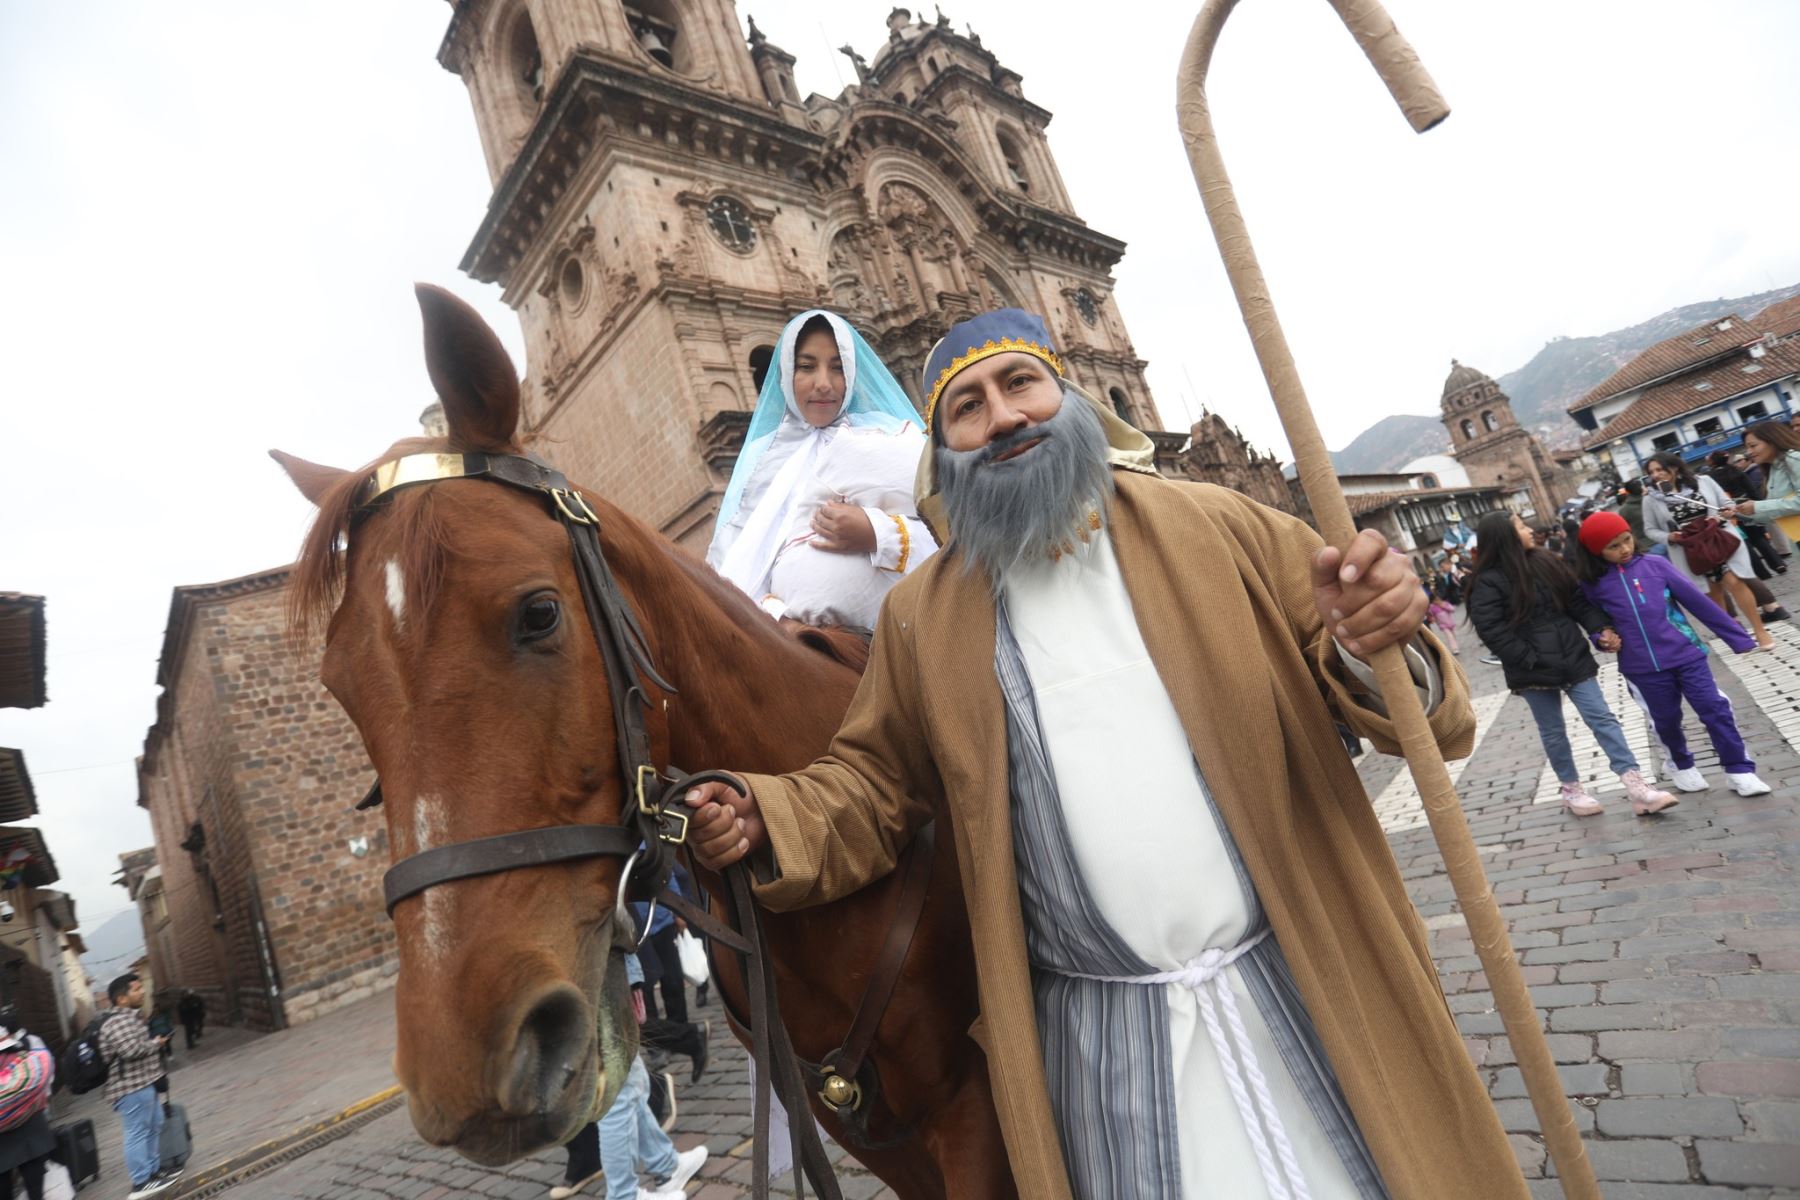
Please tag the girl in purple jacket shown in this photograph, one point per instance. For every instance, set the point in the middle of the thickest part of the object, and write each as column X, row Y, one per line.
column 1660, row 655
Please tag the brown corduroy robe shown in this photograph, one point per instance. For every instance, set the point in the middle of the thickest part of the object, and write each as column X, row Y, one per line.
column 1223, row 596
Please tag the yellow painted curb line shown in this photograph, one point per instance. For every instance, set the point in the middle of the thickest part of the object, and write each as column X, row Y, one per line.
column 262, row 1150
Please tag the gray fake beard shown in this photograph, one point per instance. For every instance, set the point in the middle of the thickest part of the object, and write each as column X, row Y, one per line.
column 1002, row 514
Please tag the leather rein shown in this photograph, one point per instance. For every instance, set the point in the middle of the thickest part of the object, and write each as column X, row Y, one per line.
column 656, row 819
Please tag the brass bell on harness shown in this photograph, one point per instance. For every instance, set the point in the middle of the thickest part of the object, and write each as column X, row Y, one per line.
column 838, row 1091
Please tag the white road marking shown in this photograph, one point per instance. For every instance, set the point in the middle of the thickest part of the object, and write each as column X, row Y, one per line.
column 1398, row 807
column 1772, row 678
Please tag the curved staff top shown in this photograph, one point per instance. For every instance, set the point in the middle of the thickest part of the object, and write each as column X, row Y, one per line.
column 781, row 449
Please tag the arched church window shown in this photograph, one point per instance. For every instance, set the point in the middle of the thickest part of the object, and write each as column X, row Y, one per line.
column 730, row 223
column 656, row 28
column 760, row 358
column 1468, row 428
column 1086, row 306
column 1015, row 161
column 1490, row 420
column 933, row 64
column 1119, row 403
column 525, row 62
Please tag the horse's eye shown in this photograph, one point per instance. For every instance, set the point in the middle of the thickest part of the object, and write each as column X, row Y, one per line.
column 539, row 617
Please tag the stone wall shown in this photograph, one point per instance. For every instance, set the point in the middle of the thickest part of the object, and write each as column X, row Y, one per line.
column 251, row 749
column 299, row 769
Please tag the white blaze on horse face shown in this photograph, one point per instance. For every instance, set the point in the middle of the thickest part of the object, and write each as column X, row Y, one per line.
column 396, row 592
column 431, row 829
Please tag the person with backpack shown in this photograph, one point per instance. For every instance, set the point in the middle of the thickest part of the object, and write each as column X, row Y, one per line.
column 26, row 1140
column 1677, row 512
column 133, row 1065
column 1526, row 607
column 1660, row 655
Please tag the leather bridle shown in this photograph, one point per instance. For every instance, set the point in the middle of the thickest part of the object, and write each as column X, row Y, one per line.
column 656, row 819
column 648, row 837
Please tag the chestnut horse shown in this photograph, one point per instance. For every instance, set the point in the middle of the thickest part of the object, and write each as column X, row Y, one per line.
column 458, row 644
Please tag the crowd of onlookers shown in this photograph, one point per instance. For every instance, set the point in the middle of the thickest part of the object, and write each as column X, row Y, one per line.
column 1633, row 574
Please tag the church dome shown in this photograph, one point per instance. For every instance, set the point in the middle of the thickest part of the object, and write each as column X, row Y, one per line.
column 1462, row 377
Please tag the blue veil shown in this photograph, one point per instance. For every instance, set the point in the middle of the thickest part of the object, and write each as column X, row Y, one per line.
column 764, row 482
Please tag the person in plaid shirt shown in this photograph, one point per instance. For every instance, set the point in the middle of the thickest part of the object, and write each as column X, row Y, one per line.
column 134, row 1063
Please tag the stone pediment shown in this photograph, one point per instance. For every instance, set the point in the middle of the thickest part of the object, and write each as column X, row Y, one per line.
column 598, row 97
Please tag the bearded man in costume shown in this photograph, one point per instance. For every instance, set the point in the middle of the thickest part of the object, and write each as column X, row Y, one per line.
column 1200, row 974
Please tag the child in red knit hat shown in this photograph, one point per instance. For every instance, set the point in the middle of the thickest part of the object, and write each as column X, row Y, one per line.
column 1660, row 655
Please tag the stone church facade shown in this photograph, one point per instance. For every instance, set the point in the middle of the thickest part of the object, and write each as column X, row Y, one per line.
column 664, row 200
column 1492, row 446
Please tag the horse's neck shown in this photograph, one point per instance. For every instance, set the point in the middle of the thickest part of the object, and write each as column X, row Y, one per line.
column 749, row 697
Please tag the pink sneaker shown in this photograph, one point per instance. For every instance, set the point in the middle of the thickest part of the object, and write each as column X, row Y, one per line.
column 1575, row 798
column 1644, row 798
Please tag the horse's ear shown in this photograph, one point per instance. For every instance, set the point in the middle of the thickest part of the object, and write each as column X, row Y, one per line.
column 470, row 371
column 311, row 478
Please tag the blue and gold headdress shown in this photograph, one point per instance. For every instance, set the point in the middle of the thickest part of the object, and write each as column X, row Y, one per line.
column 1003, row 331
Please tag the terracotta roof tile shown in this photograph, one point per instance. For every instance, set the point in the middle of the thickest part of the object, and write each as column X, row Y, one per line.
column 1781, row 319
column 1696, row 389
column 1688, row 349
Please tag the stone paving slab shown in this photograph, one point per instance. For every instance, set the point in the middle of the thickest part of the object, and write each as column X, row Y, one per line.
column 1664, row 953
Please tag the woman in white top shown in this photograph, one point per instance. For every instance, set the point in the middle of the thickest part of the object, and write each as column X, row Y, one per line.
column 1677, row 497
column 818, row 521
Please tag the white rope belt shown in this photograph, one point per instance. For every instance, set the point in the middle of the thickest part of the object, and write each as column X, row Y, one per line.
column 1205, row 976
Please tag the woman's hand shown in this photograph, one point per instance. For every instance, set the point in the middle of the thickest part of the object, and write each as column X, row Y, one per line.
column 842, row 529
column 1746, row 508
column 1675, row 538
column 1609, row 641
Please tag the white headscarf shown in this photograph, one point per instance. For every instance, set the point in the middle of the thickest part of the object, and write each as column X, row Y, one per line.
column 781, row 451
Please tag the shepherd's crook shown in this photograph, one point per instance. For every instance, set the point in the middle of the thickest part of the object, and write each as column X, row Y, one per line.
column 1424, row 107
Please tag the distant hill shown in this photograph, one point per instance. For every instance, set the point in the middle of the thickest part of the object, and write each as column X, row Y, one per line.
column 1542, row 390
column 113, row 946
column 1391, row 443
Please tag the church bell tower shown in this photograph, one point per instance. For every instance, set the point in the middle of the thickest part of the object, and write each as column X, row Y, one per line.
column 665, row 199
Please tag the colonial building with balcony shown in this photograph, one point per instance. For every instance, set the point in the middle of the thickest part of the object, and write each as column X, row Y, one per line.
column 1696, row 392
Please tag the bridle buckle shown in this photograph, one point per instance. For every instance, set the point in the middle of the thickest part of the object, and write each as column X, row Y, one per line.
column 573, row 508
column 645, row 807
column 677, row 838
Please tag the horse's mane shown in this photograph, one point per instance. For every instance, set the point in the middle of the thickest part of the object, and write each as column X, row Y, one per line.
column 317, row 582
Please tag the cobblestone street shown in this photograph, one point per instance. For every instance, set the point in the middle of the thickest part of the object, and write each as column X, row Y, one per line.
column 1664, row 952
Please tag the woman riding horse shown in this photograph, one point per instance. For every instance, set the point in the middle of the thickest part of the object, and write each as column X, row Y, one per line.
column 817, row 522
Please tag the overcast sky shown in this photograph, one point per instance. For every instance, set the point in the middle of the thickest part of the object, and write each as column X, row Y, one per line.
column 213, row 212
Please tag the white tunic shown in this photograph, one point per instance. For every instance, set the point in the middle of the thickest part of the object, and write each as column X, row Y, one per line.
column 1164, row 879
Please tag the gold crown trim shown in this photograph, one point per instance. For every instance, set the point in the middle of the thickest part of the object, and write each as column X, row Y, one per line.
column 986, row 350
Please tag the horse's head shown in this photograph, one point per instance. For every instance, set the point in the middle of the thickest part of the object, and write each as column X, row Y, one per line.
column 460, row 647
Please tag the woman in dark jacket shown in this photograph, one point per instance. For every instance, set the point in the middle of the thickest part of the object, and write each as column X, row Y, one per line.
column 1526, row 607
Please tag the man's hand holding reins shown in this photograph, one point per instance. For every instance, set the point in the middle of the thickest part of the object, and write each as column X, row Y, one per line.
column 724, row 826
column 1368, row 597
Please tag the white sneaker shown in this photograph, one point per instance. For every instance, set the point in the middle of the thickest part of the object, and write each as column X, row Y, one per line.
column 155, row 1187
column 646, row 1194
column 563, row 1191
column 687, row 1165
column 1748, row 784
column 1688, row 779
